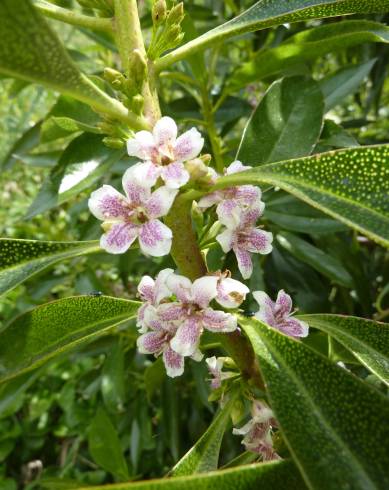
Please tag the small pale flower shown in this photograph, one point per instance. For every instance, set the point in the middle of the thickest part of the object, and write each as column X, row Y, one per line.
column 163, row 153
column 133, row 215
column 244, row 195
column 278, row 314
column 242, row 235
column 230, row 292
column 215, row 366
column 258, row 432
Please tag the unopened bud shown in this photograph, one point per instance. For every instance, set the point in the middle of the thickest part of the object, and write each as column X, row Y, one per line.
column 206, row 158
column 138, row 69
column 173, row 34
column 115, row 143
column 159, row 12
column 196, row 168
column 114, row 77
column 175, row 15
column 106, row 127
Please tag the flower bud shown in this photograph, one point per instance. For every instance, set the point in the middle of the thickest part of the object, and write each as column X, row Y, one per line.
column 138, row 70
column 173, row 34
column 137, row 103
column 175, row 15
column 106, row 128
column 196, row 168
column 114, row 78
column 115, row 143
column 159, row 12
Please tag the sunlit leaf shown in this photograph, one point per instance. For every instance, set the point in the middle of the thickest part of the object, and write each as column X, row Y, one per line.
column 366, row 339
column 54, row 328
column 317, row 401
column 351, row 185
column 21, row 259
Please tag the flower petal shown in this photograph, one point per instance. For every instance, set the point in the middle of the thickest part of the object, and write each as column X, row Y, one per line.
column 236, row 167
column 210, row 199
column 266, row 308
column 107, row 203
column 165, row 132
column 155, row 238
column 141, row 146
column 169, row 312
column 204, row 290
column 181, row 286
column 151, row 342
column 249, row 195
column 229, row 213
column 146, row 288
column 218, row 321
column 226, row 240
column 174, row 363
column 197, row 355
column 188, row 145
column 187, row 338
column 294, row 328
column 283, row 304
column 119, row 238
column 231, row 293
column 160, row 202
column 138, row 180
column 258, row 241
column 161, row 289
column 175, row 175
column 245, row 263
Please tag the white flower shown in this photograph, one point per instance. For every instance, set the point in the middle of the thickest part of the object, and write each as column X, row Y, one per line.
column 126, row 218
column 163, row 153
column 278, row 314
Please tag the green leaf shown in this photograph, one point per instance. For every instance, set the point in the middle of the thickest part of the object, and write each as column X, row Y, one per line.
column 84, row 161
column 328, row 265
column 22, row 146
column 332, row 421
column 204, row 455
column 280, row 475
column 54, row 328
column 21, row 259
column 366, row 339
column 30, row 50
column 350, row 185
column 337, row 87
column 104, row 446
column 307, row 46
column 113, row 385
column 270, row 13
column 286, row 124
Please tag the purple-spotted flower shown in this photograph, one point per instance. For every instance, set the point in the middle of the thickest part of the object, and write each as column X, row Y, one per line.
column 163, row 153
column 242, row 235
column 244, row 195
column 176, row 311
column 278, row 314
column 258, row 431
column 133, row 215
column 215, row 366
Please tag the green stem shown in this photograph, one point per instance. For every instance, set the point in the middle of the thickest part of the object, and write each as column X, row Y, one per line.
column 73, row 18
column 129, row 37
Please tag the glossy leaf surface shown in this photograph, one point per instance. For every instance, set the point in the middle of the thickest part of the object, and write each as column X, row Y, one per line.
column 366, row 339
column 351, row 185
column 317, row 401
column 56, row 327
column 21, row 259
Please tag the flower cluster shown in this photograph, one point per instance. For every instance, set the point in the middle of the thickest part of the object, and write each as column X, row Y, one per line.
column 176, row 312
column 135, row 214
column 258, row 431
column 238, row 209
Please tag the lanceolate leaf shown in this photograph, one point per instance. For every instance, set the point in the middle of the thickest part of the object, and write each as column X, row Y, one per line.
column 21, row 259
column 30, row 50
column 267, row 13
column 351, row 185
column 204, row 455
column 307, row 46
column 286, row 124
column 85, row 160
column 342, row 417
column 280, row 475
column 54, row 328
column 366, row 339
